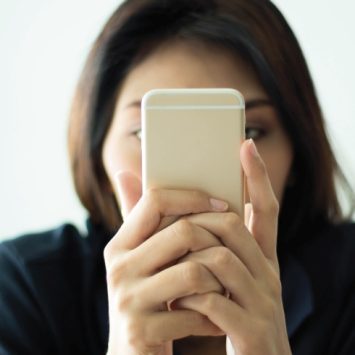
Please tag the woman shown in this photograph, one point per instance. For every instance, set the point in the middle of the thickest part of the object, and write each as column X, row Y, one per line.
column 182, row 272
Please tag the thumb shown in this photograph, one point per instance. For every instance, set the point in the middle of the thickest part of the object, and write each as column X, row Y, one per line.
column 128, row 189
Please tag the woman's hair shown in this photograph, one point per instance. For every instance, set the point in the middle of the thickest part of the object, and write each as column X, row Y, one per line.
column 252, row 29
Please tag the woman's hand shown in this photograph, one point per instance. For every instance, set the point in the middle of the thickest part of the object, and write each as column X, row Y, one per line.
column 247, row 267
column 142, row 274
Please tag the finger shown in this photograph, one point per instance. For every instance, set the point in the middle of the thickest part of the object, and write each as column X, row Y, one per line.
column 221, row 311
column 167, row 326
column 175, row 282
column 264, row 215
column 230, row 272
column 232, row 233
column 154, row 205
column 169, row 245
column 128, row 191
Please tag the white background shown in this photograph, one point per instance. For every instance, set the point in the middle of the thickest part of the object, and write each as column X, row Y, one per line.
column 43, row 46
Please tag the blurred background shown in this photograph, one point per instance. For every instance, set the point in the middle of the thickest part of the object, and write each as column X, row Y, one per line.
column 43, row 46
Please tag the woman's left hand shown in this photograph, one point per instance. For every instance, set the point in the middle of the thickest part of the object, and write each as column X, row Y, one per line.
column 246, row 265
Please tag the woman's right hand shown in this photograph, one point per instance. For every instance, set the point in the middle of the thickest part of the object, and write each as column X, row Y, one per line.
column 142, row 274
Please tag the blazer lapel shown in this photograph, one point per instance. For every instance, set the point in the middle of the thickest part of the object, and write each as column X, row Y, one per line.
column 297, row 293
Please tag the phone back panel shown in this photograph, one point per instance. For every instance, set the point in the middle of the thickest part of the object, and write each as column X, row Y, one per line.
column 191, row 140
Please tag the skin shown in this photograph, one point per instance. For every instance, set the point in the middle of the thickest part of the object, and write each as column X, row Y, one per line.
column 199, row 249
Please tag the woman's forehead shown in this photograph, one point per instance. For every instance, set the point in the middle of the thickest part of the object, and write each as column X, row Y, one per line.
column 190, row 65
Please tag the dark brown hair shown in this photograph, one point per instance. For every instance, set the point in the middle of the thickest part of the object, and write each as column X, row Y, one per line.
column 253, row 29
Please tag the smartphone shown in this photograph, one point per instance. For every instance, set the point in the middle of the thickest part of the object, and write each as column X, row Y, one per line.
column 191, row 140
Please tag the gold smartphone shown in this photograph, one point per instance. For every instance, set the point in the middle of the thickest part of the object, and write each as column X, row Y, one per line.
column 191, row 140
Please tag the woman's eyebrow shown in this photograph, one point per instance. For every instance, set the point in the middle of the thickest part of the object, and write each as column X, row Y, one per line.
column 250, row 104
column 134, row 104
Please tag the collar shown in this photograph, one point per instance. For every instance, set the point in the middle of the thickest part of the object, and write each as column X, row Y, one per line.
column 297, row 294
column 98, row 237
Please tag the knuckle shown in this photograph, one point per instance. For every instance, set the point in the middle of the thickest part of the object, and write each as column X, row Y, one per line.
column 211, row 329
column 198, row 195
column 116, row 269
column 183, row 228
column 275, row 206
column 210, row 302
column 198, row 320
column 112, row 248
column 124, row 300
column 199, row 201
column 192, row 274
column 275, row 288
column 232, row 220
column 223, row 257
column 107, row 252
column 152, row 196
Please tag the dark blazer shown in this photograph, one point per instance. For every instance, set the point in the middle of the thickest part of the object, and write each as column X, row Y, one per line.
column 53, row 297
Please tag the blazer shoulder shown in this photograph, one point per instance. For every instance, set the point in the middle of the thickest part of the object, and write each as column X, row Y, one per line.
column 55, row 243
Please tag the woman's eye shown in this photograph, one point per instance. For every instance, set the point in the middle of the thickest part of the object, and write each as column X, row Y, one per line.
column 138, row 133
column 254, row 133
column 250, row 132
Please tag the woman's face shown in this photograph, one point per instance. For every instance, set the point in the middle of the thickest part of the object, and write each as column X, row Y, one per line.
column 195, row 65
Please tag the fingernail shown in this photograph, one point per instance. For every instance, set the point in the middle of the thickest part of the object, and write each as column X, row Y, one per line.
column 253, row 149
column 218, row 205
